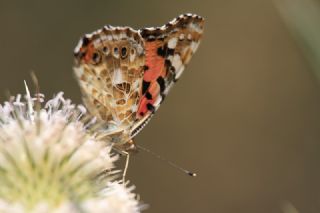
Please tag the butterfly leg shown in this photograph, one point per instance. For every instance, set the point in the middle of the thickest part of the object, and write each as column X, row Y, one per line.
column 129, row 147
column 125, row 167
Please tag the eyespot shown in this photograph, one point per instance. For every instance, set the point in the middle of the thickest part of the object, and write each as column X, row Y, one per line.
column 132, row 51
column 116, row 52
column 132, row 54
column 123, row 52
column 105, row 50
column 96, row 57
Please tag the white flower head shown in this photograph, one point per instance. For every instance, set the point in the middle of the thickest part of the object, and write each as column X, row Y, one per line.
column 49, row 162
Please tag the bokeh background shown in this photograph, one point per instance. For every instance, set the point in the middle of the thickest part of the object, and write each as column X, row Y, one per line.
column 245, row 115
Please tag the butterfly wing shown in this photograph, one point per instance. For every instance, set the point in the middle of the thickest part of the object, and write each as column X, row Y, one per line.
column 168, row 49
column 109, row 67
column 124, row 74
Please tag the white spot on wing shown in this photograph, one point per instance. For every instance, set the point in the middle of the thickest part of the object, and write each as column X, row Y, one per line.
column 173, row 21
column 122, row 35
column 136, row 84
column 134, row 108
column 96, row 43
column 89, row 35
column 103, row 37
column 151, row 37
column 176, row 61
column 157, row 102
column 172, row 43
column 117, row 77
column 115, row 37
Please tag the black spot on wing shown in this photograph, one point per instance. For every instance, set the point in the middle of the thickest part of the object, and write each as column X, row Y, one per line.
column 145, row 86
column 165, row 51
column 85, row 41
column 150, row 107
column 170, row 51
column 123, row 52
column 148, row 95
column 151, row 34
column 151, row 38
column 168, row 64
column 161, row 52
column 161, row 83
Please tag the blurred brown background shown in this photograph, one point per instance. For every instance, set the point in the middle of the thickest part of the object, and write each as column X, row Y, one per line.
column 245, row 115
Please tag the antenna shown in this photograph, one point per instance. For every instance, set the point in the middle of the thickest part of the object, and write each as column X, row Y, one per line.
column 192, row 174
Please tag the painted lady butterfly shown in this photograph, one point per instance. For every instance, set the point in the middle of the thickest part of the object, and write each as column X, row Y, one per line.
column 125, row 74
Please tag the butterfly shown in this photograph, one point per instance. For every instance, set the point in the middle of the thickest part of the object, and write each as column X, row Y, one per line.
column 125, row 74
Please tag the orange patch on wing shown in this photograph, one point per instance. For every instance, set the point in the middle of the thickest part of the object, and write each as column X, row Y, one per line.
column 154, row 90
column 155, row 64
column 89, row 53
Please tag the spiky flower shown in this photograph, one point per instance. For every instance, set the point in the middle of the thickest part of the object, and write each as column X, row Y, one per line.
column 50, row 163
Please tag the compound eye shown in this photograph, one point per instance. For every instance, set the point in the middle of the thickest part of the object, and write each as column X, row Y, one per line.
column 96, row 57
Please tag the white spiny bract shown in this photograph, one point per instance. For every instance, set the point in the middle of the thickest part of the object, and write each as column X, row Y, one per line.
column 49, row 162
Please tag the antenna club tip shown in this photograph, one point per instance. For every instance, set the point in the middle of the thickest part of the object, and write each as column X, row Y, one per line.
column 192, row 174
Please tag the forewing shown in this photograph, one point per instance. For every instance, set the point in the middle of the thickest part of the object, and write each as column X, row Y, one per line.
column 168, row 49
